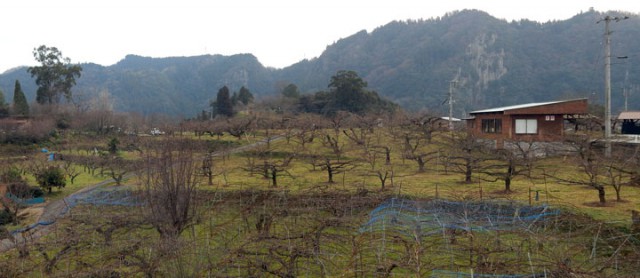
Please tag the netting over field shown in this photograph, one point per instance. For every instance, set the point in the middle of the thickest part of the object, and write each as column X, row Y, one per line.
column 452, row 274
column 97, row 197
column 423, row 218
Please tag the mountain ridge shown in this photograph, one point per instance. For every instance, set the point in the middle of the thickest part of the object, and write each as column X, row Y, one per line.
column 411, row 62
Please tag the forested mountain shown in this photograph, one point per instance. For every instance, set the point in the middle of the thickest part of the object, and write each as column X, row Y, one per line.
column 495, row 62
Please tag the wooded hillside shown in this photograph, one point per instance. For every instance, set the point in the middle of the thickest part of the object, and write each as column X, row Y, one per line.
column 409, row 62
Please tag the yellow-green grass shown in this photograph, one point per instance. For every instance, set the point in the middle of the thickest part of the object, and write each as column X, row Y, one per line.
column 434, row 182
column 222, row 228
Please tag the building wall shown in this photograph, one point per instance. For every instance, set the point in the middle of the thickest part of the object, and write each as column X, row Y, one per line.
column 550, row 128
column 547, row 130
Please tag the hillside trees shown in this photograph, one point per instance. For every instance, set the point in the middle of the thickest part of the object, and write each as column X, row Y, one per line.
column 291, row 91
column 347, row 92
column 55, row 76
column 20, row 104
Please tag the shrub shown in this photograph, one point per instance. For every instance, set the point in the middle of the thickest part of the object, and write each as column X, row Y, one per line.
column 5, row 216
column 51, row 177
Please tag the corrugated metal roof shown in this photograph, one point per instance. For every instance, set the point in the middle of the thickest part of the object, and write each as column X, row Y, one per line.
column 629, row 115
column 520, row 106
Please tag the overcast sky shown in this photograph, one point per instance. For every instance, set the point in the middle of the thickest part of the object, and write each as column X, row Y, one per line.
column 278, row 32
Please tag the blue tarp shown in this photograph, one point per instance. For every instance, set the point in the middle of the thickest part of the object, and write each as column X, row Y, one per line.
column 26, row 202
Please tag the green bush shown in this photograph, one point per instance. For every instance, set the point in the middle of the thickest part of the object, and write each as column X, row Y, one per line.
column 51, row 177
column 5, row 216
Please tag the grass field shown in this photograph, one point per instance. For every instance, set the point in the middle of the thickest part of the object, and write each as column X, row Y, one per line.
column 306, row 226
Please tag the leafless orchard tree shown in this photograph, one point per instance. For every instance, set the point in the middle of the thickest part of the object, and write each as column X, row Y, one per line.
column 597, row 170
column 270, row 163
column 508, row 163
column 169, row 186
column 466, row 153
column 239, row 126
column 334, row 167
column 117, row 167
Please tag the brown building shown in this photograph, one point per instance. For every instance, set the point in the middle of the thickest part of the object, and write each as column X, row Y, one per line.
column 533, row 122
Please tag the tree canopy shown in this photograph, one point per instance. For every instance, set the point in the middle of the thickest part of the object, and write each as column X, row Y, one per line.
column 55, row 76
column 347, row 92
column 4, row 108
column 245, row 96
column 20, row 104
column 223, row 104
column 291, row 91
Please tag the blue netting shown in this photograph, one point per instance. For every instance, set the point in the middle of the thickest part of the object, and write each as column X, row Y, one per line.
column 451, row 274
column 25, row 202
column 97, row 197
column 422, row 218
column 105, row 197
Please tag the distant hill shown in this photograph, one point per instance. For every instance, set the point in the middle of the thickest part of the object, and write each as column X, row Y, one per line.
column 410, row 62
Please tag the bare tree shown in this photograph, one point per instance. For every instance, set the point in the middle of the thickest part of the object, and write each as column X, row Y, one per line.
column 596, row 170
column 506, row 164
column 466, row 153
column 239, row 126
column 169, row 186
column 334, row 167
column 273, row 163
column 117, row 167
column 71, row 170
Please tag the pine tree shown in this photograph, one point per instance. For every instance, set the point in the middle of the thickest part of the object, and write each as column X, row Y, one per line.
column 245, row 96
column 223, row 102
column 4, row 109
column 20, row 104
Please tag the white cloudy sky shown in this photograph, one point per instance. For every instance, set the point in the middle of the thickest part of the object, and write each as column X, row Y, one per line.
column 278, row 32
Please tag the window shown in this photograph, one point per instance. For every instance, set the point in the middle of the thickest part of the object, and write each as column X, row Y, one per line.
column 492, row 125
column 550, row 118
column 526, row 126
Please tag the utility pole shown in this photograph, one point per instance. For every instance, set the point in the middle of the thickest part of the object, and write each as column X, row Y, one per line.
column 607, row 81
column 625, row 92
column 452, row 85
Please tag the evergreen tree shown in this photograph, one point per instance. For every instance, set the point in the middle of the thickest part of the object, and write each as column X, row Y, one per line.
column 234, row 99
column 55, row 76
column 245, row 96
column 223, row 102
column 20, row 104
column 291, row 91
column 349, row 91
column 51, row 177
column 4, row 108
